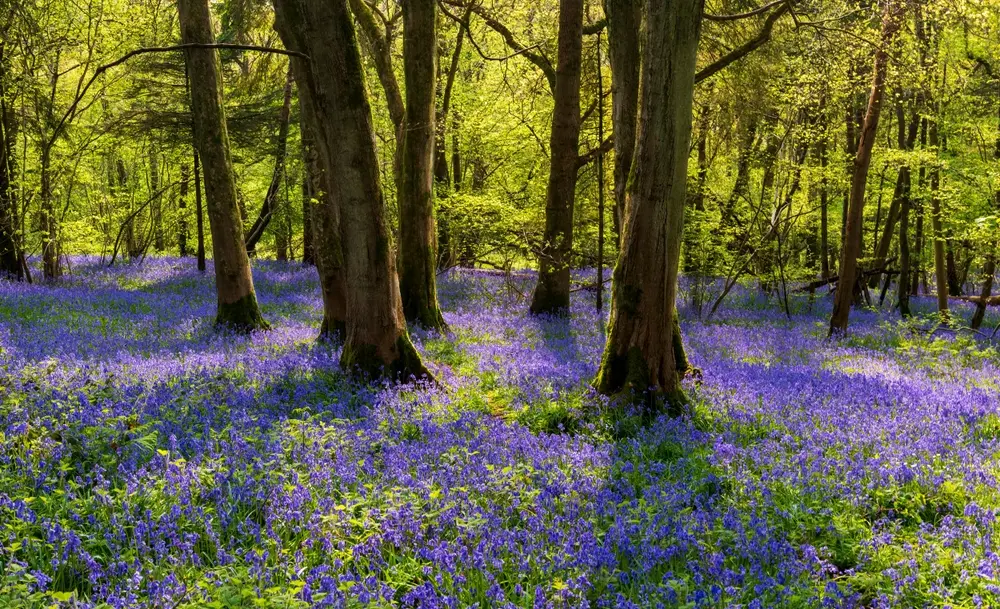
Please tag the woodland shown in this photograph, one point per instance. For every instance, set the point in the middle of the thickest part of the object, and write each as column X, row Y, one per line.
column 498, row 303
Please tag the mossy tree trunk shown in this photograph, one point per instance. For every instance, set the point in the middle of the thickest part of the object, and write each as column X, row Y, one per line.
column 376, row 341
column 851, row 249
column 237, row 301
column 641, row 353
column 552, row 291
column 417, row 230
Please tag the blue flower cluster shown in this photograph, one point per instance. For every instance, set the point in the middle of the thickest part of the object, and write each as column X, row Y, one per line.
column 147, row 460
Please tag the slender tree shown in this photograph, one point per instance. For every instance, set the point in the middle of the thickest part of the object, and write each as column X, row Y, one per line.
column 270, row 206
column 237, row 301
column 331, row 83
column 640, row 352
column 417, row 230
column 892, row 11
column 553, row 288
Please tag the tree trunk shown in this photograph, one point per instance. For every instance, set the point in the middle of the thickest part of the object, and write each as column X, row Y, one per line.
column 156, row 204
column 640, row 353
column 903, row 288
column 891, row 17
column 441, row 173
column 325, row 224
column 553, row 288
column 906, row 135
column 954, row 281
column 989, row 270
column 237, row 301
column 990, row 266
column 308, row 173
column 332, row 80
column 940, row 264
column 417, row 230
column 272, row 198
column 10, row 254
column 200, row 213
column 824, row 216
column 50, row 225
column 624, row 23
column 182, row 211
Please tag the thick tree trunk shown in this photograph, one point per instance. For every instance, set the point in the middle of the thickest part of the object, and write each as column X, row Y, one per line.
column 237, row 301
column 640, row 353
column 376, row 339
column 940, row 264
column 624, row 23
column 891, row 18
column 182, row 227
column 271, row 199
column 552, row 291
column 417, row 230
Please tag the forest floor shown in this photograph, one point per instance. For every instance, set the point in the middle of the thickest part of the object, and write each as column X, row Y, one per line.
column 148, row 461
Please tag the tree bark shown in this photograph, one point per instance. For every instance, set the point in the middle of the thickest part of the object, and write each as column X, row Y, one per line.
column 940, row 264
column 417, row 230
column 271, row 199
column 324, row 223
column 200, row 213
column 376, row 341
column 624, row 22
column 906, row 136
column 990, row 266
column 905, row 270
column 237, row 301
column 824, row 216
column 552, row 291
column 640, row 353
column 182, row 211
column 156, row 205
column 308, row 172
column 891, row 17
column 10, row 253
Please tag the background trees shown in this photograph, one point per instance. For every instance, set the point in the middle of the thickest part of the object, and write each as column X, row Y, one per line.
column 503, row 109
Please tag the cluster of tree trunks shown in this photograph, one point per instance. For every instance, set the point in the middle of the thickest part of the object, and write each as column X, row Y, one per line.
column 338, row 115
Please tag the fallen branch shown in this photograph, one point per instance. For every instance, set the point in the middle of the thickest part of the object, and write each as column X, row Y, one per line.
column 812, row 286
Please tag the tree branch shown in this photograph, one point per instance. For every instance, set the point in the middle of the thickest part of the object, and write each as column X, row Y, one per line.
column 746, row 48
